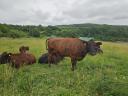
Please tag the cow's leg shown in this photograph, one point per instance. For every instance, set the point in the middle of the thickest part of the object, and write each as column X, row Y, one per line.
column 16, row 65
column 49, row 60
column 74, row 61
column 49, row 56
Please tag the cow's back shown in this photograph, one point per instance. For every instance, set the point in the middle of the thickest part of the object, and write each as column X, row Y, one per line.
column 66, row 46
column 31, row 58
column 20, row 59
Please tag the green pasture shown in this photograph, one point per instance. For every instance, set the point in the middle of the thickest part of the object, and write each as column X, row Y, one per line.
column 101, row 75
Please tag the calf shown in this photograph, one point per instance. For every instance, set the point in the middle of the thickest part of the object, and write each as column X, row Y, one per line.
column 18, row 59
column 4, row 58
column 43, row 58
column 56, row 58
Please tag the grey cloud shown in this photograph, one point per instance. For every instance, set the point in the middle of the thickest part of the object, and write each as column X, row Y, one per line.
column 93, row 12
column 121, row 17
column 52, row 12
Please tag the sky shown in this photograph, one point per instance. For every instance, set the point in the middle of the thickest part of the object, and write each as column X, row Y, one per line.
column 58, row 12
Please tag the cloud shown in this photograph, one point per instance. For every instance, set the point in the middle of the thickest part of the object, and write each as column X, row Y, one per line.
column 54, row 12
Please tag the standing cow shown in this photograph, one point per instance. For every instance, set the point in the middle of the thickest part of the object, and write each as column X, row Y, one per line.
column 74, row 48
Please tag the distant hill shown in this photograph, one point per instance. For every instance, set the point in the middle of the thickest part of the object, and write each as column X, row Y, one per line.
column 97, row 31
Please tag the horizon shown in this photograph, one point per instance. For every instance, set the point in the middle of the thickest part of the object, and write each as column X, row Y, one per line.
column 62, row 24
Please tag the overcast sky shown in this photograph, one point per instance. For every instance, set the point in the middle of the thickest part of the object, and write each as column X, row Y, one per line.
column 57, row 12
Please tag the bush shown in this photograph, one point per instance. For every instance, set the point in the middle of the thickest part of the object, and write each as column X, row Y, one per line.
column 16, row 34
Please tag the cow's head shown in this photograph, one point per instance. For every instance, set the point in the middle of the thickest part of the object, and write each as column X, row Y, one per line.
column 5, row 58
column 94, row 47
column 23, row 49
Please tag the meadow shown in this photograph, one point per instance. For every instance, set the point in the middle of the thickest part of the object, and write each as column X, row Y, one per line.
column 101, row 75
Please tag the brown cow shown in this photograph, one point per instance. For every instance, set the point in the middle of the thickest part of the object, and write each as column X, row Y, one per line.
column 74, row 48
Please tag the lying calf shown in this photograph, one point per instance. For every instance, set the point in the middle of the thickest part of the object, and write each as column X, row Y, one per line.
column 20, row 59
column 4, row 58
column 55, row 58
column 43, row 59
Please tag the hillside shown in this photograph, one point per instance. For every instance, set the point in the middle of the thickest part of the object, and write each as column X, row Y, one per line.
column 98, row 31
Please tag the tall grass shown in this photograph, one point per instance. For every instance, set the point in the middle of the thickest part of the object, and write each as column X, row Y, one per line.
column 100, row 75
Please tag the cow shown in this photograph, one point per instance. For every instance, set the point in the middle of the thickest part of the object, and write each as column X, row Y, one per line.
column 19, row 59
column 4, row 58
column 74, row 48
column 44, row 59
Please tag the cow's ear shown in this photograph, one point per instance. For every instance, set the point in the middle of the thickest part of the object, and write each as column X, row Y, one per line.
column 98, row 43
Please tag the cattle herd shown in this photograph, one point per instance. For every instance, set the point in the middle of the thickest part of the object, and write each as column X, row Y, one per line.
column 58, row 48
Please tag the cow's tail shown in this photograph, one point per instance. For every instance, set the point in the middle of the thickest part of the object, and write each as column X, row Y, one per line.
column 47, row 43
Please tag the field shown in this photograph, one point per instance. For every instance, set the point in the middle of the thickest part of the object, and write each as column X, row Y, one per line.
column 101, row 75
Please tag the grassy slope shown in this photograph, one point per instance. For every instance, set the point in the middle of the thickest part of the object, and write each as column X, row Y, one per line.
column 100, row 75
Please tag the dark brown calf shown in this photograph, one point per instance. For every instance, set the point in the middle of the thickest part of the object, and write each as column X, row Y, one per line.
column 4, row 58
column 56, row 58
column 20, row 59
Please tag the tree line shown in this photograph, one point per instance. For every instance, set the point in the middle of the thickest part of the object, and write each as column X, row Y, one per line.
column 97, row 31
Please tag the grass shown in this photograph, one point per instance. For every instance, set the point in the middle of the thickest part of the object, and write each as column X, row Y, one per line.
column 100, row 75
